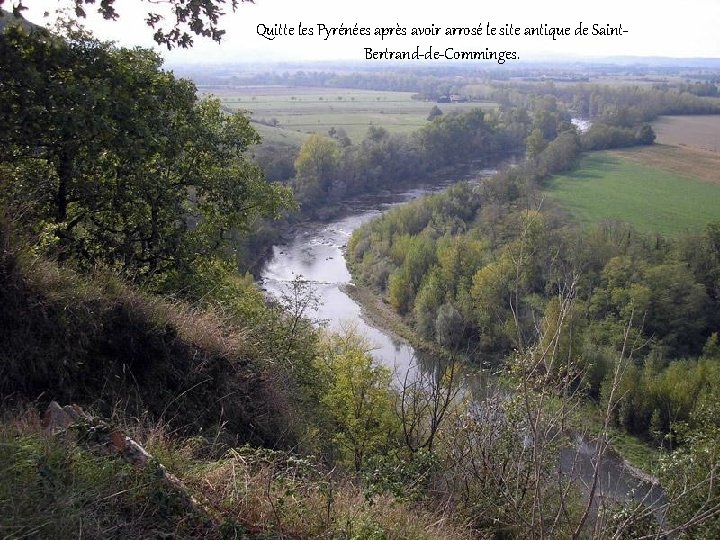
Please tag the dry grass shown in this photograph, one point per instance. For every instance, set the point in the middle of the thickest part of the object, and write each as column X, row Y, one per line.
column 205, row 329
column 700, row 132
column 97, row 341
column 247, row 493
column 281, row 494
column 683, row 160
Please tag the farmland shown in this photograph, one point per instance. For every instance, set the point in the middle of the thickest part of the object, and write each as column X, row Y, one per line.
column 682, row 160
column 701, row 132
column 288, row 114
column 619, row 185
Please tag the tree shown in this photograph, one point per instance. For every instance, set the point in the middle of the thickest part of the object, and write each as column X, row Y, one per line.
column 491, row 292
column 340, row 135
column 559, row 154
column 316, row 167
column 399, row 290
column 449, row 326
column 143, row 177
column 187, row 18
column 535, row 143
column 427, row 397
column 689, row 475
column 427, row 302
column 457, row 136
column 434, row 113
column 645, row 134
column 358, row 399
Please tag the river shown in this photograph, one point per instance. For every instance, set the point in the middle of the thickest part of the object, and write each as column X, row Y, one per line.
column 316, row 252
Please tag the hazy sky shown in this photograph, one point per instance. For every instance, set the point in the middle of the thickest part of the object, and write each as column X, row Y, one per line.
column 655, row 28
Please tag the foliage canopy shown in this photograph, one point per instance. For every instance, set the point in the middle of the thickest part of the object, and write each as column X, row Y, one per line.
column 117, row 158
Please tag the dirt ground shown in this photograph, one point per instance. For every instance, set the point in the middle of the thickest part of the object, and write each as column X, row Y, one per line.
column 701, row 132
column 683, row 160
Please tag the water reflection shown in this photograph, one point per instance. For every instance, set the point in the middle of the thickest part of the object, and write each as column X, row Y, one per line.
column 317, row 254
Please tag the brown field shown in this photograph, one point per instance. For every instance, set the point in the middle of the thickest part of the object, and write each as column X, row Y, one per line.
column 700, row 132
column 683, row 160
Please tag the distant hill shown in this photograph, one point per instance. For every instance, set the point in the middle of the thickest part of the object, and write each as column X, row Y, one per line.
column 657, row 61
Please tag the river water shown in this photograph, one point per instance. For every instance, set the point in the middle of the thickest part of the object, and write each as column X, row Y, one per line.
column 316, row 252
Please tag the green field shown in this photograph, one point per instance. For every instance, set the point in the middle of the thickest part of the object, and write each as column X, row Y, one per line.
column 302, row 110
column 608, row 186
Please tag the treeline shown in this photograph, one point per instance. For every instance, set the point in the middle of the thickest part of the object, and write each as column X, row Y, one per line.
column 550, row 117
column 431, row 83
column 329, row 168
column 622, row 105
column 396, row 80
column 625, row 106
column 531, row 115
column 427, row 84
column 702, row 88
column 482, row 265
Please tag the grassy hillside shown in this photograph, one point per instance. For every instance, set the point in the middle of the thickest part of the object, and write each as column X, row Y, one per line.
column 95, row 340
column 189, row 385
column 67, row 487
column 611, row 185
column 58, row 488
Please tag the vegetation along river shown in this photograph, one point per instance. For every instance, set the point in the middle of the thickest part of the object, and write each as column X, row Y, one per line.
column 316, row 253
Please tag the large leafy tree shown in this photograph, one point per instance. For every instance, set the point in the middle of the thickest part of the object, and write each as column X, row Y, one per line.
column 317, row 167
column 136, row 172
column 457, row 136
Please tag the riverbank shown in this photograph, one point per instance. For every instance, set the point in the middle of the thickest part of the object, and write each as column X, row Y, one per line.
column 635, row 456
column 316, row 251
column 377, row 313
column 281, row 231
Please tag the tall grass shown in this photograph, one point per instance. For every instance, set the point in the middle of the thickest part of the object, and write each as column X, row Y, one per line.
column 98, row 341
column 61, row 488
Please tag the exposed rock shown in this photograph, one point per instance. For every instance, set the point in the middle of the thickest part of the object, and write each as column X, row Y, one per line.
column 58, row 419
column 130, row 451
column 98, row 435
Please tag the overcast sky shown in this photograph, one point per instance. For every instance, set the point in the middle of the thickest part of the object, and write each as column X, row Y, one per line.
column 654, row 28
